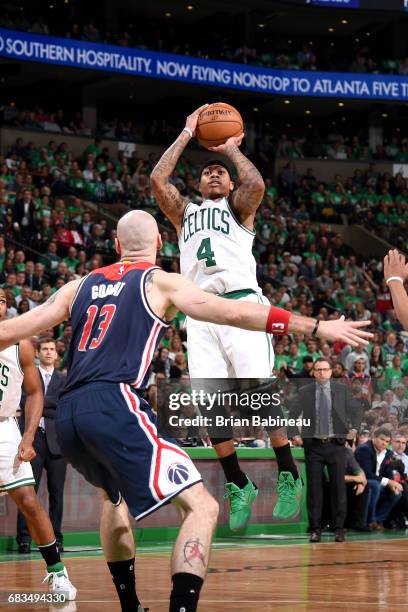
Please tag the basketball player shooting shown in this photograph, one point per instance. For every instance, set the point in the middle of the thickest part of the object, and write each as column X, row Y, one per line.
column 107, row 430
column 215, row 241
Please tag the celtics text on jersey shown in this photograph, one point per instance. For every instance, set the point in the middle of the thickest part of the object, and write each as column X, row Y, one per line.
column 216, row 249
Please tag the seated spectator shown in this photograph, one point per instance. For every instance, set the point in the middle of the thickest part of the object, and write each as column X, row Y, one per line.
column 163, row 363
column 339, row 372
column 377, row 369
column 359, row 395
column 363, row 437
column 357, row 494
column 306, row 370
column 399, row 447
column 359, row 374
column 358, row 353
column 385, row 492
column 399, row 403
column 389, row 349
column 25, row 295
column 394, row 373
column 179, row 365
column 399, row 515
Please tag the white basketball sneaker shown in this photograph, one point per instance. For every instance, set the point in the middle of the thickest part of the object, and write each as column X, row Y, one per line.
column 59, row 582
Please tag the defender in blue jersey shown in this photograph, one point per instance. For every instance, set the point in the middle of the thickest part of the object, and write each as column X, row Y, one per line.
column 107, row 431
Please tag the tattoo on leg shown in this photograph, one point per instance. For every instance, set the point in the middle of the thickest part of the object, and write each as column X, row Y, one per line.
column 194, row 549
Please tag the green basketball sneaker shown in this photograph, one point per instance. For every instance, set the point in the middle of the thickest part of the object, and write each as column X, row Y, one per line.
column 289, row 496
column 241, row 501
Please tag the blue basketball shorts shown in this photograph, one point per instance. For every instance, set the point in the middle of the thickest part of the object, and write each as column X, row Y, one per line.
column 108, row 433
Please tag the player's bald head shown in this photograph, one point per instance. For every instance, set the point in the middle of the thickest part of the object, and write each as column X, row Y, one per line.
column 137, row 232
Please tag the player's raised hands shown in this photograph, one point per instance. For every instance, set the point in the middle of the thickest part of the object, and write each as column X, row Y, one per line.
column 223, row 148
column 395, row 265
column 191, row 121
column 347, row 331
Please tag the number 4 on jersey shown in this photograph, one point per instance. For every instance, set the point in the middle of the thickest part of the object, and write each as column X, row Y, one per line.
column 204, row 252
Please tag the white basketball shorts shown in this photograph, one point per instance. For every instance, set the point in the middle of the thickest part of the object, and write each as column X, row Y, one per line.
column 220, row 351
column 13, row 473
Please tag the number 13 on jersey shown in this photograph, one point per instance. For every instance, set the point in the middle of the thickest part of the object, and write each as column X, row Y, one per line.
column 106, row 314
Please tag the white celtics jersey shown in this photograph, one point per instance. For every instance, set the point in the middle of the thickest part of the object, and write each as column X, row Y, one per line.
column 11, row 380
column 216, row 249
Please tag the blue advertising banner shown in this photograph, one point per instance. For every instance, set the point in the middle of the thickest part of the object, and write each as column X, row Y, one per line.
column 135, row 62
column 336, row 3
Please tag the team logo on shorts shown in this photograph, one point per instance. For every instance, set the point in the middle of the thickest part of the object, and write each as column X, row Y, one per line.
column 177, row 473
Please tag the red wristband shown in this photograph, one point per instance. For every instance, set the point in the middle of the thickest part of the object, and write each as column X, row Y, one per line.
column 278, row 321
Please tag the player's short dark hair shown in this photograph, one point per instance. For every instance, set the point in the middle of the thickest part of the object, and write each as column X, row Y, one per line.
column 215, row 162
column 307, row 359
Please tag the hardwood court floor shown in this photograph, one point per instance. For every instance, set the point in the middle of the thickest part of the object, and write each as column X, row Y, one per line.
column 361, row 574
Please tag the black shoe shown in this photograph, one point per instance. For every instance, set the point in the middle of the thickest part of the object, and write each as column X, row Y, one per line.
column 339, row 535
column 315, row 536
column 24, row 548
column 60, row 547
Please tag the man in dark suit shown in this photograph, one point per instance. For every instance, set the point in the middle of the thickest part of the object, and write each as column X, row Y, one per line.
column 328, row 411
column 38, row 277
column 24, row 223
column 378, row 464
column 45, row 443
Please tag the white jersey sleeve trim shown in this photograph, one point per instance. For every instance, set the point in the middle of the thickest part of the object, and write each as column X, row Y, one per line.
column 18, row 358
column 234, row 216
column 76, row 294
column 182, row 220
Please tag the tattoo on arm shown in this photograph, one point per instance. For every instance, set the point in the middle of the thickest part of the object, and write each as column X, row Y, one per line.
column 171, row 202
column 149, row 281
column 194, row 549
column 168, row 196
column 51, row 299
column 251, row 190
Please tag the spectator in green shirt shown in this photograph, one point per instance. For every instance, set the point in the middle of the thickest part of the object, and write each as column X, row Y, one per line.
column 311, row 351
column 77, row 182
column 168, row 334
column 281, row 359
column 353, row 196
column 168, row 249
column 95, row 149
column 293, row 356
column 402, row 155
column 394, row 374
column 71, row 259
column 336, row 197
column 389, row 349
column 320, row 196
column 19, row 261
column 270, row 190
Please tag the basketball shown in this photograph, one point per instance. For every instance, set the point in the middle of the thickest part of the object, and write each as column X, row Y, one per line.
column 217, row 123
